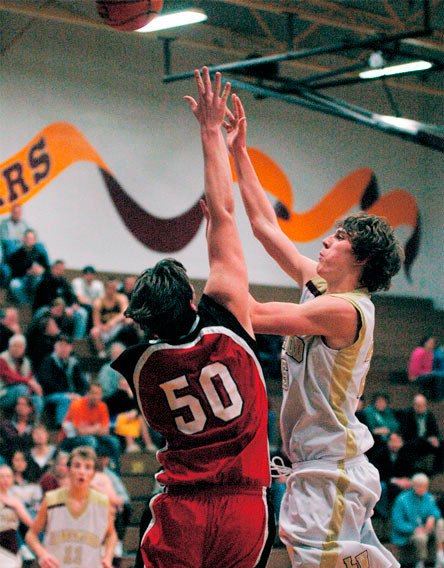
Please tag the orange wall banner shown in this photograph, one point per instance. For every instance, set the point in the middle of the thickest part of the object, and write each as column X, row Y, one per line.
column 359, row 188
column 60, row 145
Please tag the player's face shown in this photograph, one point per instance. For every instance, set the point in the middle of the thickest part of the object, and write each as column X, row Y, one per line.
column 81, row 472
column 336, row 256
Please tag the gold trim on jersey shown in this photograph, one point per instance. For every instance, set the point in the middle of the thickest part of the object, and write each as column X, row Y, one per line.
column 59, row 497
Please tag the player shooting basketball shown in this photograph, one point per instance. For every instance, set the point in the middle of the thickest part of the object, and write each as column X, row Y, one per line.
column 332, row 488
column 198, row 383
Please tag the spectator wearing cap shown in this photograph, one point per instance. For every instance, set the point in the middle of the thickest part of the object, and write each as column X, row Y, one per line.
column 87, row 289
column 61, row 377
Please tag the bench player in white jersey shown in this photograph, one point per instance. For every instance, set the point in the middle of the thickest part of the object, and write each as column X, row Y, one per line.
column 77, row 520
column 332, row 488
column 199, row 384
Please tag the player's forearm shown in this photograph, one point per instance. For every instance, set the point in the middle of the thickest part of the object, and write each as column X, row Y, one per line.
column 109, row 546
column 259, row 210
column 32, row 540
column 218, row 182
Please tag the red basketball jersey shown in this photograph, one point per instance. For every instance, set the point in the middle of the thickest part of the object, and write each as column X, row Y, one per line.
column 206, row 395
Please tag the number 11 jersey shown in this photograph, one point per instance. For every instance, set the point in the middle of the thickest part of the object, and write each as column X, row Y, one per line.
column 205, row 393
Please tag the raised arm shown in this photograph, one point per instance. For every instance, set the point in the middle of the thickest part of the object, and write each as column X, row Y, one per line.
column 228, row 279
column 261, row 214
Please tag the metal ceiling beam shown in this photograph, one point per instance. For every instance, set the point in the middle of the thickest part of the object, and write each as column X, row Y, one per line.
column 372, row 43
column 427, row 135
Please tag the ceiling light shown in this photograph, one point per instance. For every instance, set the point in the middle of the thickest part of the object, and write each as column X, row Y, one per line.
column 406, row 124
column 174, row 20
column 396, row 69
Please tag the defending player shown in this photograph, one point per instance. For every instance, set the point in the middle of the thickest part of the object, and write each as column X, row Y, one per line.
column 332, row 488
column 77, row 520
column 198, row 383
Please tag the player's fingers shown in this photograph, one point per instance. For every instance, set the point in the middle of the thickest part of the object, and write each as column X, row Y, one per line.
column 206, row 80
column 217, row 83
column 226, row 92
column 199, row 82
column 230, row 115
column 240, row 111
column 191, row 102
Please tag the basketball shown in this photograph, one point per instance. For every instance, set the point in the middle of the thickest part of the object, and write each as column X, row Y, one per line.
column 128, row 15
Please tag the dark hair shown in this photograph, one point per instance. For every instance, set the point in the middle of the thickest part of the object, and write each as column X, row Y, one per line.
column 161, row 300
column 374, row 241
column 89, row 270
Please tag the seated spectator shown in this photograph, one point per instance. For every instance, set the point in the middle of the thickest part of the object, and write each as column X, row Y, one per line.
column 108, row 377
column 420, row 430
column 421, row 369
column 62, row 316
column 12, row 512
column 87, row 423
column 12, row 231
column 61, row 378
column 25, row 487
column 87, row 289
column 415, row 519
column 54, row 286
column 16, row 433
column 27, row 263
column 127, row 286
column 9, row 326
column 16, row 376
column 393, row 461
column 108, row 317
column 380, row 418
column 41, row 452
column 128, row 422
column 41, row 336
column 57, row 474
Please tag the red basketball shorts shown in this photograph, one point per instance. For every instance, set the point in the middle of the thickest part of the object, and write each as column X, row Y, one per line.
column 208, row 529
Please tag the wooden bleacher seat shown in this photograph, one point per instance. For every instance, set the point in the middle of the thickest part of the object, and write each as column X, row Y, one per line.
column 138, row 463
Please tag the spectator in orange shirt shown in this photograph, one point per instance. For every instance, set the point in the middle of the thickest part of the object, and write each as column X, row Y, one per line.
column 87, row 423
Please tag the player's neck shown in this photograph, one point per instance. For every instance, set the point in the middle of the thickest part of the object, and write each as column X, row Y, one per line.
column 79, row 493
column 343, row 285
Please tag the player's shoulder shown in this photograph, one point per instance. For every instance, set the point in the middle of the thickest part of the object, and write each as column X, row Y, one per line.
column 214, row 314
column 56, row 497
column 125, row 363
column 98, row 498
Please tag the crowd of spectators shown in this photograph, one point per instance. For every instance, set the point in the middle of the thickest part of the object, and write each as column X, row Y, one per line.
column 43, row 385
column 50, row 400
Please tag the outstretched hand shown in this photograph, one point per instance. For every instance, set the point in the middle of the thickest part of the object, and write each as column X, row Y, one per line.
column 211, row 106
column 236, row 126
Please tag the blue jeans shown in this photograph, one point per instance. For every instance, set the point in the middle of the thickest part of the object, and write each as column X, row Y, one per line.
column 80, row 320
column 23, row 288
column 61, row 401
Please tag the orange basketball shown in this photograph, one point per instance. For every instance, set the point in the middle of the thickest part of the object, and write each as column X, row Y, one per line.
column 128, row 15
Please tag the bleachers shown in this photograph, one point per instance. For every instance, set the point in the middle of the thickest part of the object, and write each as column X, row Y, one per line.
column 400, row 324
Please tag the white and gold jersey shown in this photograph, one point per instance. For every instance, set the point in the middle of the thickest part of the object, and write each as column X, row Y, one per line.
column 321, row 388
column 76, row 540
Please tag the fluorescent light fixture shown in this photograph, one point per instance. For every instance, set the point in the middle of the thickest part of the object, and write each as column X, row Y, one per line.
column 396, row 69
column 174, row 20
column 406, row 124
